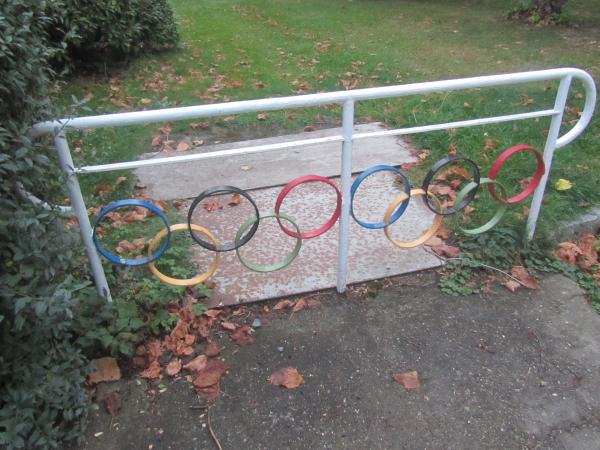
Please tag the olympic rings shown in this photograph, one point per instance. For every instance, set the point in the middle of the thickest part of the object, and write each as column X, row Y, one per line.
column 457, row 205
column 535, row 181
column 276, row 266
column 401, row 206
column 437, row 222
column 190, row 281
column 131, row 261
column 307, row 179
column 218, row 190
column 503, row 207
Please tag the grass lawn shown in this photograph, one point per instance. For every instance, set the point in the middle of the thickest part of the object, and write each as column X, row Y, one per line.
column 257, row 48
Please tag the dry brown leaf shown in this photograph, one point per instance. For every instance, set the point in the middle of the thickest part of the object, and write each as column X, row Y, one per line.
column 211, row 374
column 212, row 349
column 211, row 313
column 195, row 125
column 107, row 369
column 228, row 326
column 153, row 371
column 448, row 251
column 287, row 377
column 283, row 304
column 210, row 393
column 568, row 252
column 212, row 205
column 452, row 150
column 174, row 367
column 154, row 349
column 243, row 336
column 235, row 199
column 196, row 364
column 183, row 146
column 125, row 247
column 408, row 380
column 261, row 116
column 309, row 128
column 512, row 285
column 299, row 306
column 490, row 144
column 113, row 403
column 433, row 241
column 521, row 274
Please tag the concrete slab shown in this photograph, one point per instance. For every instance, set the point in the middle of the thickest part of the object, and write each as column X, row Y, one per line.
column 371, row 254
column 535, row 387
column 273, row 168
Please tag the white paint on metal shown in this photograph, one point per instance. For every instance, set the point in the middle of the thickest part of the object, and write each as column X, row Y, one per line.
column 346, row 175
column 348, row 98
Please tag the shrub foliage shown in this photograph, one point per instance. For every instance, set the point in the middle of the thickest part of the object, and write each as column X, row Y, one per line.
column 43, row 401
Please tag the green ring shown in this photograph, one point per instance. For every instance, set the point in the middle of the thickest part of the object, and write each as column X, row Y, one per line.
column 499, row 213
column 269, row 267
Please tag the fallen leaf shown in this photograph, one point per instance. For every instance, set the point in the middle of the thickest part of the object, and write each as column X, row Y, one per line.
column 198, row 142
column 113, row 403
column 443, row 232
column 490, row 144
column 212, row 349
column 183, row 146
column 521, row 274
column 174, row 367
column 125, row 247
column 107, row 369
column 283, row 304
column 562, row 184
column 568, row 252
column 211, row 374
column 195, row 125
column 261, row 116
column 212, row 205
column 452, row 150
column 287, row 377
column 196, row 364
column 433, row 241
column 243, row 336
column 235, row 199
column 512, row 285
column 228, row 326
column 153, row 371
column 140, row 185
column 154, row 349
column 309, row 128
column 408, row 380
column 120, row 180
column 299, row 306
column 145, row 101
column 448, row 251
column 166, row 129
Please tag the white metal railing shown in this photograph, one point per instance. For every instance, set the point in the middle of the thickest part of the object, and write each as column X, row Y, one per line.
column 58, row 128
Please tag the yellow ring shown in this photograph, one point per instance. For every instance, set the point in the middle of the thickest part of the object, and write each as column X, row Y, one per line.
column 425, row 236
column 190, row 281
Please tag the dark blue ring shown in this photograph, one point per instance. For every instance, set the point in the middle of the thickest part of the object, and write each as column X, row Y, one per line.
column 131, row 261
column 397, row 213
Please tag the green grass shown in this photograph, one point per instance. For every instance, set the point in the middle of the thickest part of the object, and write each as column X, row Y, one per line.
column 260, row 48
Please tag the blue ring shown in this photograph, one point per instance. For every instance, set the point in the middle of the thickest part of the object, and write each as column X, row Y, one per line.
column 131, row 261
column 397, row 213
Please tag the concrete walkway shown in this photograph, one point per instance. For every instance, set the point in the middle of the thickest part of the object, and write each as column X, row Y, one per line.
column 371, row 254
column 497, row 370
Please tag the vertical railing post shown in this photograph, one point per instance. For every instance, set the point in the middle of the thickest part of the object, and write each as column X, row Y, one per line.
column 78, row 205
column 559, row 107
column 346, row 176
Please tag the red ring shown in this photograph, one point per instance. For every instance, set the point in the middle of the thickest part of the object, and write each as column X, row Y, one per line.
column 535, row 181
column 307, row 179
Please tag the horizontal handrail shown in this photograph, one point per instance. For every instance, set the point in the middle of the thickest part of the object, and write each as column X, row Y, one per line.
column 299, row 101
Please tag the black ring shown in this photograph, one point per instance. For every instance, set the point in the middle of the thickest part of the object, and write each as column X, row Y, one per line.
column 218, row 190
column 468, row 198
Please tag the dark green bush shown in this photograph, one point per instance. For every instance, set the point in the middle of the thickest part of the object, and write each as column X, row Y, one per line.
column 43, row 401
column 94, row 31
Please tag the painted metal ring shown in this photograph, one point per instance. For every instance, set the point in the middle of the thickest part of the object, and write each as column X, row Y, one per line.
column 457, row 205
column 116, row 259
column 276, row 266
column 429, row 233
column 535, row 181
column 190, row 281
column 309, row 179
column 503, row 207
column 220, row 190
column 401, row 206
